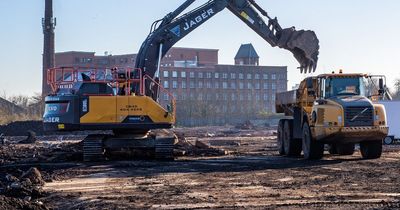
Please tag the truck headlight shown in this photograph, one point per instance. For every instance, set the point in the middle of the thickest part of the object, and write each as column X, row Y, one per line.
column 339, row 119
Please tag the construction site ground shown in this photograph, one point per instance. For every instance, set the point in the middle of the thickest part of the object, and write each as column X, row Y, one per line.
column 248, row 174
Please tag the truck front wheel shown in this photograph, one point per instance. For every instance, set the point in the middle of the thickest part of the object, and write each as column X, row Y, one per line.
column 279, row 139
column 371, row 149
column 292, row 146
column 312, row 149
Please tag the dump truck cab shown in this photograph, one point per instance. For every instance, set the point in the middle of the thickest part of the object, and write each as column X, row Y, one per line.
column 333, row 109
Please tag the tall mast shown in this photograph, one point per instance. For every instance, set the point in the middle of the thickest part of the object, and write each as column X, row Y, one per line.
column 48, row 24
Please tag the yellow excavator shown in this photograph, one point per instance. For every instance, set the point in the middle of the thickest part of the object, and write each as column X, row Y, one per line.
column 125, row 100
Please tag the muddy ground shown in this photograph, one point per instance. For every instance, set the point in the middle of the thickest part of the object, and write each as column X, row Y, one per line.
column 251, row 175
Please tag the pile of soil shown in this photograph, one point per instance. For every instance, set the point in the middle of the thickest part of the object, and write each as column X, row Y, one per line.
column 22, row 192
column 21, row 128
column 16, row 203
column 40, row 152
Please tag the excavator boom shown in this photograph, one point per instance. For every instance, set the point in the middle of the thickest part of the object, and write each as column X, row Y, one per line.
column 167, row 31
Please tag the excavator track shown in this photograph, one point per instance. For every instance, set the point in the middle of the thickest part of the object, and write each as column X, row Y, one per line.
column 93, row 149
column 164, row 148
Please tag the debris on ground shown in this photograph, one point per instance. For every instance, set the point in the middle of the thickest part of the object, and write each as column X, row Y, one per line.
column 22, row 192
column 30, row 139
column 247, row 125
column 186, row 147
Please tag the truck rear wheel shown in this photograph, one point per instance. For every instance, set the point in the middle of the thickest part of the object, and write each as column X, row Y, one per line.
column 345, row 149
column 279, row 139
column 371, row 149
column 292, row 146
column 312, row 149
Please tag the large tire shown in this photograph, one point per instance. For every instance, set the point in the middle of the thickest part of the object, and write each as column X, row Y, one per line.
column 312, row 149
column 279, row 139
column 371, row 149
column 292, row 146
column 345, row 149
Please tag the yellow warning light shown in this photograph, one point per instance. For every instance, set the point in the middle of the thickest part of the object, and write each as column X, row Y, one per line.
column 61, row 126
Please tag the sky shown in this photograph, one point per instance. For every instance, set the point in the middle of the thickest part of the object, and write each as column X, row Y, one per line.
column 356, row 36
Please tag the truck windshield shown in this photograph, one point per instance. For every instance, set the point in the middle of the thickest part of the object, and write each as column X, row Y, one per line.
column 340, row 86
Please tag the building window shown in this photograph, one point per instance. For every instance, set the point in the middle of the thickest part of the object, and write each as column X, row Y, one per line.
column 241, row 97
column 273, row 76
column 257, row 86
column 183, row 74
column 256, row 76
column 183, row 85
column 233, row 76
column 257, row 97
column 248, row 76
column 233, row 96
column 200, row 84
column 165, row 74
column 209, row 84
column 273, row 97
column 224, row 76
column 174, row 84
column 216, row 85
column 209, row 96
column 233, row 85
column 183, row 96
column 241, row 85
column 191, row 74
column 249, row 86
column 265, row 76
column 208, row 75
column 224, row 85
column 216, row 96
column 166, row 84
column 166, row 97
column 249, row 97
column 265, row 86
column 273, row 86
column 175, row 95
column 174, row 74
column 200, row 96
column 225, row 97
column 266, row 97
column 200, row 74
column 241, row 76
column 216, row 75
column 191, row 84
column 191, row 95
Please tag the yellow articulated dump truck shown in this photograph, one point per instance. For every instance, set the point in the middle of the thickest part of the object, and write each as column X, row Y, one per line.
column 333, row 109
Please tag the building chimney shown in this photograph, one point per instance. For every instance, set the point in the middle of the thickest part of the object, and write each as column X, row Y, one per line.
column 48, row 24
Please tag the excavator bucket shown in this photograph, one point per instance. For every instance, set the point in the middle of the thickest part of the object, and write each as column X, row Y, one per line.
column 303, row 44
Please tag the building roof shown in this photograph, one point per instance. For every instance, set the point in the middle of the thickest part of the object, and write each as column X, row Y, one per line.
column 246, row 51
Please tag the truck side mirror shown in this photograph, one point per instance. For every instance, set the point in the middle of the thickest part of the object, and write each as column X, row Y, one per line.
column 381, row 87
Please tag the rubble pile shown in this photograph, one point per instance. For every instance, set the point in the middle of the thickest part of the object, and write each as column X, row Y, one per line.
column 198, row 148
column 23, row 191
column 40, row 152
column 20, row 128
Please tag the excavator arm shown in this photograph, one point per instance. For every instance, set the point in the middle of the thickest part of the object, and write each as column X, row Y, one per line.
column 166, row 32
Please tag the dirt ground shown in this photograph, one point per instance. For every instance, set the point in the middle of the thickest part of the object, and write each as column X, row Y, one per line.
column 251, row 176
